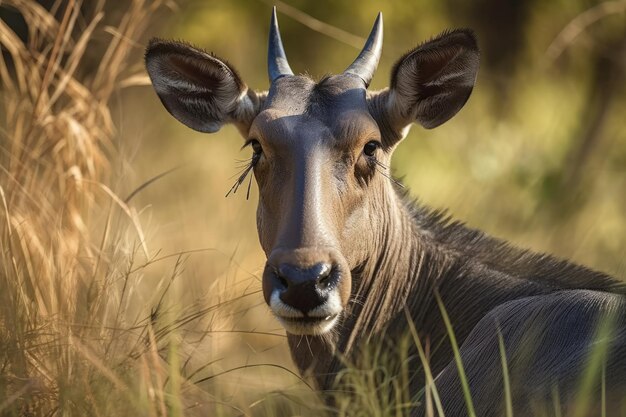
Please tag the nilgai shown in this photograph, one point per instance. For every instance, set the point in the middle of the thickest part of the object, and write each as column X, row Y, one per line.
column 351, row 259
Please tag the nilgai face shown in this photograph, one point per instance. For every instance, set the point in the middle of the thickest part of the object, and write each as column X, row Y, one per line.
column 348, row 257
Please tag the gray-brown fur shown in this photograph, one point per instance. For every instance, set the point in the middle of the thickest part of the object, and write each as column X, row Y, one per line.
column 349, row 255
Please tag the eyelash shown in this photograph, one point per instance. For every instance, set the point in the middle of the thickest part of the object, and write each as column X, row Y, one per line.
column 248, row 165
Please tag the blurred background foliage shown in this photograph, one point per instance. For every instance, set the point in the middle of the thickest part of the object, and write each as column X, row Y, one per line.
column 537, row 157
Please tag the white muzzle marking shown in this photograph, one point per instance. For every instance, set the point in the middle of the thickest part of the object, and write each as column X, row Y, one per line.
column 295, row 322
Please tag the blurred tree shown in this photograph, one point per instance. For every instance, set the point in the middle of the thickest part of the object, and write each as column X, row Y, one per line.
column 572, row 187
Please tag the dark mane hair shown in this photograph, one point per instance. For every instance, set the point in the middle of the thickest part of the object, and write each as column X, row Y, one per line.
column 440, row 229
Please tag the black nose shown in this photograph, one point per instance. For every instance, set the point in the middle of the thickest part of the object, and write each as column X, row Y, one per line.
column 305, row 288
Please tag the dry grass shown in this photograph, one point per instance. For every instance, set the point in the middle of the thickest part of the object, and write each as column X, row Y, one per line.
column 66, row 342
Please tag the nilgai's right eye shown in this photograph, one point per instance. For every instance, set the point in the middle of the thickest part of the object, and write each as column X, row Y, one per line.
column 370, row 148
column 256, row 146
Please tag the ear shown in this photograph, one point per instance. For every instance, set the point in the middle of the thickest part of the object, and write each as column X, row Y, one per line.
column 431, row 83
column 199, row 89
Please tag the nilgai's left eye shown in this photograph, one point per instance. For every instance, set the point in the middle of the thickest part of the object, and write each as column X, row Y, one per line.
column 370, row 148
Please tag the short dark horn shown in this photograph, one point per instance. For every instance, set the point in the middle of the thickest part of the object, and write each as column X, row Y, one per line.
column 367, row 61
column 277, row 65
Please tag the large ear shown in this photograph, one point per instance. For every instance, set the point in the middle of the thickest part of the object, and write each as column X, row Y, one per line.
column 432, row 82
column 199, row 89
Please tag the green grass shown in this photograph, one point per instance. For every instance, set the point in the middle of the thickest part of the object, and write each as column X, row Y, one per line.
column 508, row 400
column 457, row 358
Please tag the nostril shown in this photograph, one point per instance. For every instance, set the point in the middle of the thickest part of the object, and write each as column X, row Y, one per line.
column 324, row 282
column 283, row 282
column 321, row 271
column 327, row 277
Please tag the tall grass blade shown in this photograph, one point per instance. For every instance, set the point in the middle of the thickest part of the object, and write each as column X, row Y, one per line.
column 508, row 400
column 457, row 357
column 430, row 383
column 594, row 371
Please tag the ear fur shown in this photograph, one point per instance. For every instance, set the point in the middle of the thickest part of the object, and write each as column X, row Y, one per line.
column 197, row 88
column 432, row 82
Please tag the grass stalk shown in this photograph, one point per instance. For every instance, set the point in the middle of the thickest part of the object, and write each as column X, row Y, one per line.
column 508, row 399
column 457, row 357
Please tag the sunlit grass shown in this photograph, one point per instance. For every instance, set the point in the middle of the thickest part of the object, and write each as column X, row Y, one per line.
column 430, row 390
column 87, row 326
column 595, row 370
column 506, row 381
column 457, row 357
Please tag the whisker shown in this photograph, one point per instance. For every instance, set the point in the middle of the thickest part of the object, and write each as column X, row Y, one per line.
column 355, row 300
column 240, row 171
column 308, row 342
column 239, row 180
column 243, row 164
column 249, row 185
column 380, row 164
column 241, row 177
column 240, row 168
column 384, row 171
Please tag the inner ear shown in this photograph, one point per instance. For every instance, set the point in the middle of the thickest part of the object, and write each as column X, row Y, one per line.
column 432, row 82
column 199, row 89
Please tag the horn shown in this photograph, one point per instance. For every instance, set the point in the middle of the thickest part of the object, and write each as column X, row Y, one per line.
column 277, row 65
column 367, row 61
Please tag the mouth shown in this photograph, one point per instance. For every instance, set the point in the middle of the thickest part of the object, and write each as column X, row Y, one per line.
column 308, row 320
column 307, row 325
column 316, row 322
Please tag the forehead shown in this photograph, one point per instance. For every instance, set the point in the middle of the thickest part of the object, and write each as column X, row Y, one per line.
column 336, row 104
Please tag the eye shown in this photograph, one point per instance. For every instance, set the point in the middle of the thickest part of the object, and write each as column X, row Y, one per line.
column 370, row 148
column 256, row 146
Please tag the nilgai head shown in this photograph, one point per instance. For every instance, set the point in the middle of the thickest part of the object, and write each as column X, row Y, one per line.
column 320, row 153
